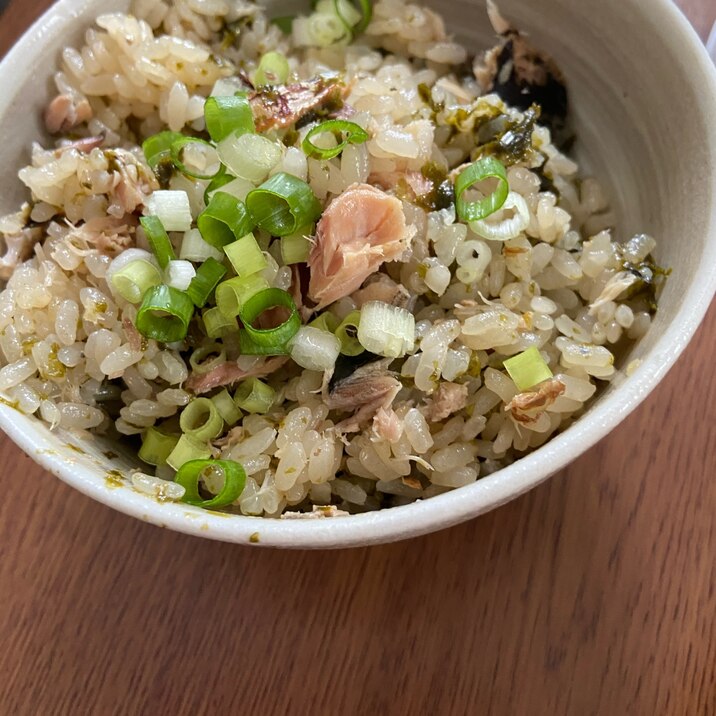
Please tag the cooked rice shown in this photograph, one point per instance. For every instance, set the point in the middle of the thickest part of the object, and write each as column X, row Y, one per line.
column 69, row 345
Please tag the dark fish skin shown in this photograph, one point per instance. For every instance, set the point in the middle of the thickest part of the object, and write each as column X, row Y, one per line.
column 525, row 77
column 347, row 365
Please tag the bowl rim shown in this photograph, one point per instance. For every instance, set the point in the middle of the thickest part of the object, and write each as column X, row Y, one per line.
column 423, row 516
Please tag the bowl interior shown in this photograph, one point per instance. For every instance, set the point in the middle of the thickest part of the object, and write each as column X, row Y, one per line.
column 640, row 111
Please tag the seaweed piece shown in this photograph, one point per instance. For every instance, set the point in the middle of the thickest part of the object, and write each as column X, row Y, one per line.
column 442, row 192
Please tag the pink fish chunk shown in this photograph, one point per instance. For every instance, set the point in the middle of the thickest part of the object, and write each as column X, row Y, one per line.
column 359, row 231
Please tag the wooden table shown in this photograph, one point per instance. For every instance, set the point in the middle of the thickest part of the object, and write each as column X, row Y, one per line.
column 594, row 594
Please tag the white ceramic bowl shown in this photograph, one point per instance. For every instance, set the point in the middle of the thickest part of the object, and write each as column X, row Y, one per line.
column 644, row 96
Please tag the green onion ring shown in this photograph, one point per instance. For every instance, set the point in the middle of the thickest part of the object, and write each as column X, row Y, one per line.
column 190, row 473
column 176, row 308
column 158, row 147
column 228, row 115
column 282, row 204
column 272, row 339
column 206, row 280
column 224, row 220
column 484, row 168
column 354, row 134
column 176, row 154
column 158, row 240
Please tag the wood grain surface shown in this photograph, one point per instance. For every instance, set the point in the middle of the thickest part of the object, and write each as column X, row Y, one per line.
column 594, row 594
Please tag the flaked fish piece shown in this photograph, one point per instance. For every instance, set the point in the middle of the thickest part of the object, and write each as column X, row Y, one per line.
column 449, row 398
column 366, row 390
column 387, row 425
column 614, row 288
column 65, row 112
column 84, row 145
column 526, row 408
column 18, row 247
column 359, row 231
column 280, row 106
column 382, row 289
column 523, row 75
column 230, row 372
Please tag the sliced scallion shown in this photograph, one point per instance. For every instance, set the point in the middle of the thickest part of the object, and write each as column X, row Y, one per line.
column 201, row 150
column 217, row 325
column 346, row 11
column 165, row 314
column 206, row 280
column 273, row 69
column 158, row 147
column 201, row 420
column 207, row 357
column 296, row 248
column 158, row 240
column 283, row 204
column 156, row 446
column 254, row 396
column 485, row 168
column 347, row 334
column 221, row 179
column 133, row 280
column 192, row 472
column 352, row 134
column 327, row 321
column 194, row 248
column 224, row 220
column 528, row 369
column 172, row 207
column 228, row 115
column 233, row 293
column 179, row 274
column 188, row 448
column 386, row 330
column 273, row 339
column 250, row 156
column 246, row 256
column 227, row 407
column 315, row 349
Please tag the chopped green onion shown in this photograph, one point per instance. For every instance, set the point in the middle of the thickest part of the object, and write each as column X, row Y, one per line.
column 191, row 472
column 250, row 156
column 194, row 248
column 233, row 293
column 158, row 147
column 353, row 134
column 221, row 179
column 207, row 357
column 206, row 280
column 156, row 446
column 172, row 207
column 485, row 168
column 274, row 339
column 228, row 115
column 164, row 314
column 227, row 407
column 246, row 256
column 249, row 347
column 347, row 13
column 217, row 325
column 283, row 204
column 296, row 248
column 224, row 220
column 386, row 330
column 327, row 321
column 315, row 349
column 178, row 150
column 179, row 274
column 347, row 334
column 158, row 240
column 238, row 187
column 254, row 396
column 135, row 279
column 201, row 420
column 273, row 69
column 527, row 369
column 187, row 449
